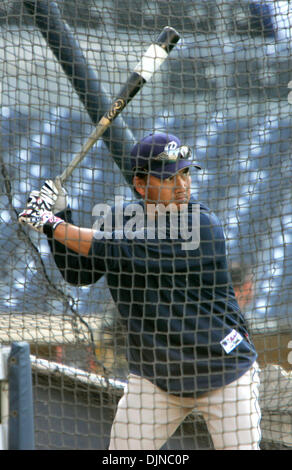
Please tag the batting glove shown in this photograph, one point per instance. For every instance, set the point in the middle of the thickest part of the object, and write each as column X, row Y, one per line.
column 36, row 215
column 54, row 196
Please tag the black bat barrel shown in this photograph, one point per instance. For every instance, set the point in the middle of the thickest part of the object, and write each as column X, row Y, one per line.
column 168, row 39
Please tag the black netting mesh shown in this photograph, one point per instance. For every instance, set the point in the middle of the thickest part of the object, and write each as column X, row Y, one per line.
column 224, row 90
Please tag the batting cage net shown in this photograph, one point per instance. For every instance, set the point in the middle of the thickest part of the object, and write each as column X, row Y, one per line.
column 223, row 90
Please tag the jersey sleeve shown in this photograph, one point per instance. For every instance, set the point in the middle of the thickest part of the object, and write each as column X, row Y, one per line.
column 77, row 269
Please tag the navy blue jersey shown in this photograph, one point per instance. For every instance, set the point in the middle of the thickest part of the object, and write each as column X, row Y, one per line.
column 185, row 330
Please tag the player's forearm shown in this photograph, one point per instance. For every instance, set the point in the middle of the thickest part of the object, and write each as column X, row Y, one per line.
column 76, row 238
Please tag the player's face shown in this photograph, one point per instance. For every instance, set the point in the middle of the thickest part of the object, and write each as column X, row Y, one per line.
column 173, row 190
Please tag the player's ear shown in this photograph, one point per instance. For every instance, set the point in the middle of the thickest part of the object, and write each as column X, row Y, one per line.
column 140, row 185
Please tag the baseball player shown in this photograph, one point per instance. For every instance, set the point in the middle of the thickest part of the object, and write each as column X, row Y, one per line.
column 188, row 345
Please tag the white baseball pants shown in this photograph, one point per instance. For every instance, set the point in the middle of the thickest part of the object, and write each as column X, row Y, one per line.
column 147, row 416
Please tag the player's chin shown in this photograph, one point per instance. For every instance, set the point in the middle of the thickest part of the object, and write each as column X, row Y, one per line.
column 181, row 201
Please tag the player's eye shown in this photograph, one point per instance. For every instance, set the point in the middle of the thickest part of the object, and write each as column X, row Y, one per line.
column 169, row 179
column 185, row 173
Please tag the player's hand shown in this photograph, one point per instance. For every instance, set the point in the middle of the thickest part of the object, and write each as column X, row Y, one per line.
column 54, row 196
column 36, row 214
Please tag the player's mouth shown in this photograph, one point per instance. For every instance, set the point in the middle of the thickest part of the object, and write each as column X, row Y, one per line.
column 181, row 198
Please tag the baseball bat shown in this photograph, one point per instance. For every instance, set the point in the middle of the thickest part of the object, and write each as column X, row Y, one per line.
column 149, row 64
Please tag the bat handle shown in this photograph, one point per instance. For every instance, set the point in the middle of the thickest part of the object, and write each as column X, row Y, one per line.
column 94, row 136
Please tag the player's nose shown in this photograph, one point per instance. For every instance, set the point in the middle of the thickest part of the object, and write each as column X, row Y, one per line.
column 181, row 181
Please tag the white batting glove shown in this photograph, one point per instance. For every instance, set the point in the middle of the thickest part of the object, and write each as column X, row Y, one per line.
column 36, row 215
column 54, row 195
